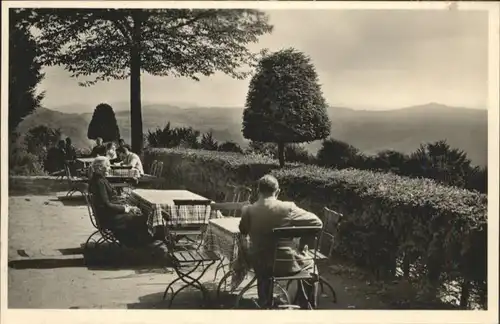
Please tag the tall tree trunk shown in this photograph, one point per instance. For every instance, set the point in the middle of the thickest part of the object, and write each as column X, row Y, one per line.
column 135, row 88
column 281, row 154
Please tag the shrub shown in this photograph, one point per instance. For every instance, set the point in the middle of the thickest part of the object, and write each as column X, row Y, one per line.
column 39, row 139
column 293, row 152
column 230, row 147
column 208, row 142
column 21, row 162
column 437, row 230
column 440, row 162
column 337, row 154
column 170, row 137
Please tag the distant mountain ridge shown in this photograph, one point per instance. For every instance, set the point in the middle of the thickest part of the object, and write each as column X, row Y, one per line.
column 370, row 131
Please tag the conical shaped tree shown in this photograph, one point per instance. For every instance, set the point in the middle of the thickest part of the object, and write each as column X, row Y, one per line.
column 285, row 103
column 103, row 124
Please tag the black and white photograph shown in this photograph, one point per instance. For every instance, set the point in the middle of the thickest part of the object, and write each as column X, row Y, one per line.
column 256, row 155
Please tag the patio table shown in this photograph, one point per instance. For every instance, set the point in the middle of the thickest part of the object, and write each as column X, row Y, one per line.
column 223, row 236
column 160, row 209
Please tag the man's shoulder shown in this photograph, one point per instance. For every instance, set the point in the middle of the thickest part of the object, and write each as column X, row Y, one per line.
column 285, row 204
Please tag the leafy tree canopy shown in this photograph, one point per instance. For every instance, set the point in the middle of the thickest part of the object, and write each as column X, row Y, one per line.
column 106, row 44
column 24, row 72
column 178, row 42
column 284, row 102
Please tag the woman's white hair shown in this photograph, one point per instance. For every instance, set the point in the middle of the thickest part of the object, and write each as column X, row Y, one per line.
column 100, row 164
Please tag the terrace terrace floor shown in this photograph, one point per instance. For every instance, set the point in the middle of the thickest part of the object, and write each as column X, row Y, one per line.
column 38, row 277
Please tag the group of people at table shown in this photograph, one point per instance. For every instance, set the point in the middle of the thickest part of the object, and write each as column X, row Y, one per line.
column 257, row 223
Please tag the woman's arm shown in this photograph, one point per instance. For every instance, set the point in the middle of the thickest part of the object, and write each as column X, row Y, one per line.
column 103, row 193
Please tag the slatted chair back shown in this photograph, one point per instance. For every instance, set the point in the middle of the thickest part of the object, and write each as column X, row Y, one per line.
column 91, row 210
column 159, row 169
column 331, row 220
column 236, row 193
column 286, row 237
column 69, row 176
column 152, row 168
column 198, row 211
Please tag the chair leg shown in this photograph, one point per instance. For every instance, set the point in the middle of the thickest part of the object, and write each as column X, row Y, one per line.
column 223, row 281
column 322, row 281
column 243, row 291
column 89, row 238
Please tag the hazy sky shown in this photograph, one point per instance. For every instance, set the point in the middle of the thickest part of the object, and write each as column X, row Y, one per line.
column 370, row 59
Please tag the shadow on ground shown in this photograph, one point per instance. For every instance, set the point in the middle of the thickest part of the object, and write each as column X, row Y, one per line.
column 76, row 200
column 191, row 298
column 104, row 257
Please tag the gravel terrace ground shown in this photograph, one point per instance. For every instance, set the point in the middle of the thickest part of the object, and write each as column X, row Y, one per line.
column 41, row 277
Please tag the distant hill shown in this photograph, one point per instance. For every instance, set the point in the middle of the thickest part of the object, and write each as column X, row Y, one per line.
column 370, row 131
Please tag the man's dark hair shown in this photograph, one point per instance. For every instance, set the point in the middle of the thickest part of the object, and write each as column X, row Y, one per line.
column 109, row 145
column 122, row 149
column 68, row 140
column 268, row 185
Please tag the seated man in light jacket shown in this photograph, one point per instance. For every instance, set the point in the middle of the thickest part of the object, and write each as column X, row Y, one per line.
column 258, row 221
column 129, row 158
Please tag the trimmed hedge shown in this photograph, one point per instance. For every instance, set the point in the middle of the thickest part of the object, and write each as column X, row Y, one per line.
column 438, row 231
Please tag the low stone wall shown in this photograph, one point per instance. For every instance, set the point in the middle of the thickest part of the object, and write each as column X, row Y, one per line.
column 36, row 185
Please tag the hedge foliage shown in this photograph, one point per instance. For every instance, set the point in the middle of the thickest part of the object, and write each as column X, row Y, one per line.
column 439, row 231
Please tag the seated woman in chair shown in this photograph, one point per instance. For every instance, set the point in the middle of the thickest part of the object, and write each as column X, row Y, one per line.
column 125, row 221
column 258, row 221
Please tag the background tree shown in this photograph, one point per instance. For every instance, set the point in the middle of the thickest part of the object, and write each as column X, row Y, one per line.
column 120, row 43
column 208, row 142
column 284, row 102
column 40, row 137
column 391, row 161
column 337, row 154
column 104, row 124
column 440, row 162
column 24, row 71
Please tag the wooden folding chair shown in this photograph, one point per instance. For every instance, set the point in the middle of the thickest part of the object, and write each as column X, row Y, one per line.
column 154, row 177
column 236, row 194
column 192, row 230
column 286, row 235
column 331, row 221
column 75, row 184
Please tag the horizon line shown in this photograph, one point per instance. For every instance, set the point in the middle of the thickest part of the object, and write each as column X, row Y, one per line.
column 182, row 105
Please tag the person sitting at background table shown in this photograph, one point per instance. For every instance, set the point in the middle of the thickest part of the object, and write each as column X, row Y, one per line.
column 129, row 158
column 70, row 155
column 56, row 158
column 99, row 148
column 111, row 152
column 258, row 221
column 125, row 221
